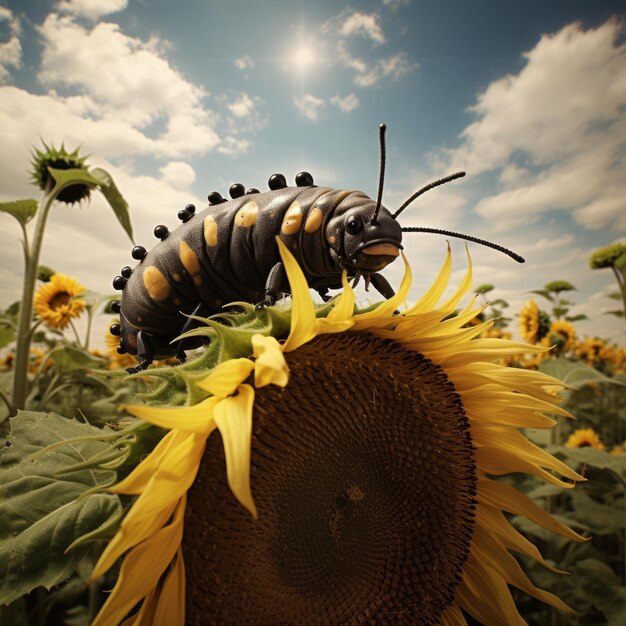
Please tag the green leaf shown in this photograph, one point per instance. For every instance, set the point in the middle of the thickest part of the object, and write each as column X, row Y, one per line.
column 7, row 335
column 574, row 373
column 542, row 292
column 576, row 318
column 484, row 288
column 22, row 210
column 115, row 199
column 68, row 359
column 559, row 311
column 42, row 511
column 592, row 456
column 616, row 312
column 602, row 519
column 499, row 302
column 604, row 589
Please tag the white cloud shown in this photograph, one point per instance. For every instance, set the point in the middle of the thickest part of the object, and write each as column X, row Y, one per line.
column 564, row 113
column 361, row 24
column 244, row 63
column 178, row 174
column 91, row 9
column 347, row 104
column 233, row 146
column 10, row 50
column 309, row 106
column 242, row 107
column 129, row 81
column 343, row 29
column 396, row 4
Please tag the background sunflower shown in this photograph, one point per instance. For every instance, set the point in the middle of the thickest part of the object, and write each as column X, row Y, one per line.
column 57, row 302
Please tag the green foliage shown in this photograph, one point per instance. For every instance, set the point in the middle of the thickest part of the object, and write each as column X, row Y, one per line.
column 557, row 286
column 612, row 255
column 45, row 273
column 22, row 210
column 44, row 512
column 115, row 199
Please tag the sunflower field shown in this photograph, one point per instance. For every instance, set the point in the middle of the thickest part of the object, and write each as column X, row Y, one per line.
column 403, row 462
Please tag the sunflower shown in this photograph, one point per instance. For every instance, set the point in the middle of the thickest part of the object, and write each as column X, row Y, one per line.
column 590, row 350
column 349, row 479
column 529, row 322
column 59, row 159
column 562, row 335
column 57, row 302
column 584, row 438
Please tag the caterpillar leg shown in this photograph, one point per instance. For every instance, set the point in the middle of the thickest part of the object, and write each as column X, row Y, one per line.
column 273, row 286
column 188, row 343
column 381, row 284
column 145, row 351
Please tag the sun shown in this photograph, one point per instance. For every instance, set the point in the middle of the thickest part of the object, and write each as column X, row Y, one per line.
column 304, row 57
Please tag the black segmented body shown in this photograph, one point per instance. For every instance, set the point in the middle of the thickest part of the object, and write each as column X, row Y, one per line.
column 228, row 252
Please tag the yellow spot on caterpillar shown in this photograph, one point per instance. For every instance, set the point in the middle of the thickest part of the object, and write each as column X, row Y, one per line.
column 314, row 220
column 176, row 277
column 197, row 279
column 247, row 214
column 210, row 231
column 189, row 259
column 293, row 219
column 332, row 239
column 156, row 284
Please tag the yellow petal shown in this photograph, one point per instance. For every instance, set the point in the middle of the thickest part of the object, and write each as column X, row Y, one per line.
column 233, row 417
column 464, row 286
column 485, row 595
column 145, row 615
column 344, row 306
column 141, row 570
column 303, row 322
column 128, row 536
column 270, row 367
column 138, row 479
column 428, row 301
column 383, row 313
column 453, row 616
column 171, row 607
column 486, row 549
column 507, row 498
column 197, row 418
column 340, row 318
column 168, row 484
column 226, row 377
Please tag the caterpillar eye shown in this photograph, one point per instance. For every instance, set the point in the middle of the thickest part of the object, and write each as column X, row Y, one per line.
column 354, row 224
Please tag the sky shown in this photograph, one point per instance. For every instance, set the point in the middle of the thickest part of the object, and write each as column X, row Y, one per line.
column 176, row 100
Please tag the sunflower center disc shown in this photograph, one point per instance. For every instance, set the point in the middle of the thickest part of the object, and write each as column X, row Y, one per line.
column 60, row 299
column 363, row 476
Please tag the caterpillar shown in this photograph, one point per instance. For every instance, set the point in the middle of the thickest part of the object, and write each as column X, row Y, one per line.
column 228, row 253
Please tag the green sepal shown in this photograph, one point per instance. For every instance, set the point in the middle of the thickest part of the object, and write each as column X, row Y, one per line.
column 74, row 176
column 22, row 210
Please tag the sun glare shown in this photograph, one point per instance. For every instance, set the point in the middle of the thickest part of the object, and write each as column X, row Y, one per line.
column 303, row 57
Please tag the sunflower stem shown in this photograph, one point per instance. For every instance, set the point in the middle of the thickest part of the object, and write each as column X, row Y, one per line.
column 619, row 277
column 78, row 342
column 22, row 356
